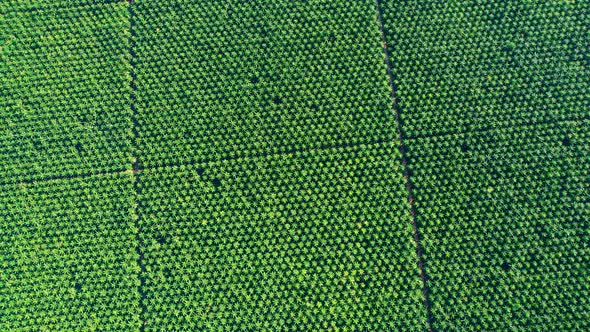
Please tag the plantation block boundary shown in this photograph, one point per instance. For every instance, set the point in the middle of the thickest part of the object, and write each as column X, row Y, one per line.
column 405, row 167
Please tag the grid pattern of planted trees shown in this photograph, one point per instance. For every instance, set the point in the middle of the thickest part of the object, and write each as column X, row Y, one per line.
column 301, row 165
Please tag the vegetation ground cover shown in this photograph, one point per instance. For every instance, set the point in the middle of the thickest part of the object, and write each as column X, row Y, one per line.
column 68, row 256
column 65, row 92
column 219, row 80
column 504, row 226
column 314, row 240
column 280, row 98
column 493, row 100
column 296, row 165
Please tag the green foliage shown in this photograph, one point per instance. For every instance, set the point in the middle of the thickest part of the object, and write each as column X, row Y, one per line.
column 228, row 79
column 65, row 95
column 475, row 65
column 505, row 216
column 305, row 241
column 269, row 193
column 494, row 98
column 67, row 255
